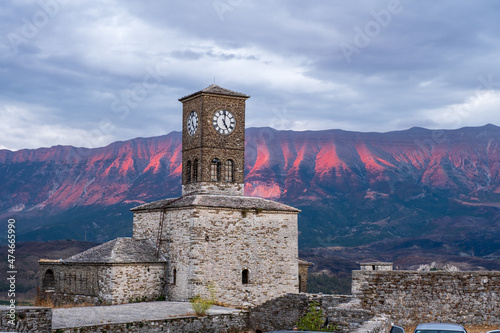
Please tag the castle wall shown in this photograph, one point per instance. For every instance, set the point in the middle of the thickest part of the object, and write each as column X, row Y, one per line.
column 276, row 314
column 221, row 323
column 27, row 319
column 207, row 245
column 79, row 283
column 284, row 312
column 410, row 297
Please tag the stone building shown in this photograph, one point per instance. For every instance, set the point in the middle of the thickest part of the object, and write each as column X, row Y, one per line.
column 213, row 235
column 120, row 271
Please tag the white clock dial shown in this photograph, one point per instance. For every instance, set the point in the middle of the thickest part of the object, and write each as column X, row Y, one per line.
column 192, row 123
column 224, row 122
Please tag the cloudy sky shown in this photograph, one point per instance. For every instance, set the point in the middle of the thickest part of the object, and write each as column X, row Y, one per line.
column 87, row 73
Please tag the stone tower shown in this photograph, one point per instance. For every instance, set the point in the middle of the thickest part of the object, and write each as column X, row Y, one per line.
column 213, row 141
column 246, row 247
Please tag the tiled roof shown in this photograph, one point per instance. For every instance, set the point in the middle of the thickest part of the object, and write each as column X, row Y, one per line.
column 215, row 89
column 217, row 201
column 119, row 250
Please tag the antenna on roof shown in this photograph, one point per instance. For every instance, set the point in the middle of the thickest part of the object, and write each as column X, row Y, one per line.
column 214, row 79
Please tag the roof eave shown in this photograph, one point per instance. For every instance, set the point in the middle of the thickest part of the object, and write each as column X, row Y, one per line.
column 196, row 94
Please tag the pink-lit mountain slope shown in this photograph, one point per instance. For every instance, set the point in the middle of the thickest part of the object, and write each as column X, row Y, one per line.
column 353, row 188
column 312, row 165
column 63, row 177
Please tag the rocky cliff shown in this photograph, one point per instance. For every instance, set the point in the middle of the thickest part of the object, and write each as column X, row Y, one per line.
column 353, row 188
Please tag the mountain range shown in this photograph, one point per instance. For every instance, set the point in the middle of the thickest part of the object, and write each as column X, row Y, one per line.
column 436, row 191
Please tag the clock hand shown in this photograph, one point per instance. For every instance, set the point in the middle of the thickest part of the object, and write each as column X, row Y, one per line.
column 224, row 113
column 222, row 122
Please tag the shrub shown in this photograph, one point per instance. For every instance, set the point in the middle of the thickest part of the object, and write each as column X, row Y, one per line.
column 313, row 320
column 200, row 304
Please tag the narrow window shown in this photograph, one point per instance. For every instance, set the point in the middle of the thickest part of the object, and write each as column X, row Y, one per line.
column 195, row 171
column 244, row 276
column 49, row 281
column 229, row 171
column 188, row 172
column 215, row 170
column 174, row 277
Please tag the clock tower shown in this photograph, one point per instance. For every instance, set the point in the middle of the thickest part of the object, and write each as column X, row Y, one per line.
column 212, row 239
column 213, row 142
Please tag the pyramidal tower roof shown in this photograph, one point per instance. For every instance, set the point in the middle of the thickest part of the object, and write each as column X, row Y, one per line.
column 214, row 89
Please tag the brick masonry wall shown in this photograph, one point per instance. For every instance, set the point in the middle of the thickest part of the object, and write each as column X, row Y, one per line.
column 409, row 297
column 29, row 319
column 215, row 245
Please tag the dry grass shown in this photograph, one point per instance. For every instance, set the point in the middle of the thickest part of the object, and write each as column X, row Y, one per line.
column 223, row 304
column 46, row 303
column 49, row 304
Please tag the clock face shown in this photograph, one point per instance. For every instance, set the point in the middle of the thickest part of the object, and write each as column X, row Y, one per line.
column 192, row 123
column 224, row 122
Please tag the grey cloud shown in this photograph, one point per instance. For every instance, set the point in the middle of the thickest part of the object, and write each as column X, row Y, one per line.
column 286, row 54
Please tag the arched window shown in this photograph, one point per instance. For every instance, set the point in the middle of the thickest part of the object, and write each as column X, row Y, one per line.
column 215, row 170
column 174, row 277
column 188, row 172
column 195, row 171
column 49, row 282
column 229, row 171
column 244, row 276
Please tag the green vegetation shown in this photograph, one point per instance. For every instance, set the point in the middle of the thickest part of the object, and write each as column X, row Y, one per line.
column 138, row 299
column 313, row 320
column 200, row 304
column 328, row 284
column 93, row 223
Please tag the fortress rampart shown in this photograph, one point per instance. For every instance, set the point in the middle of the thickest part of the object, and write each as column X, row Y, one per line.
column 411, row 297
